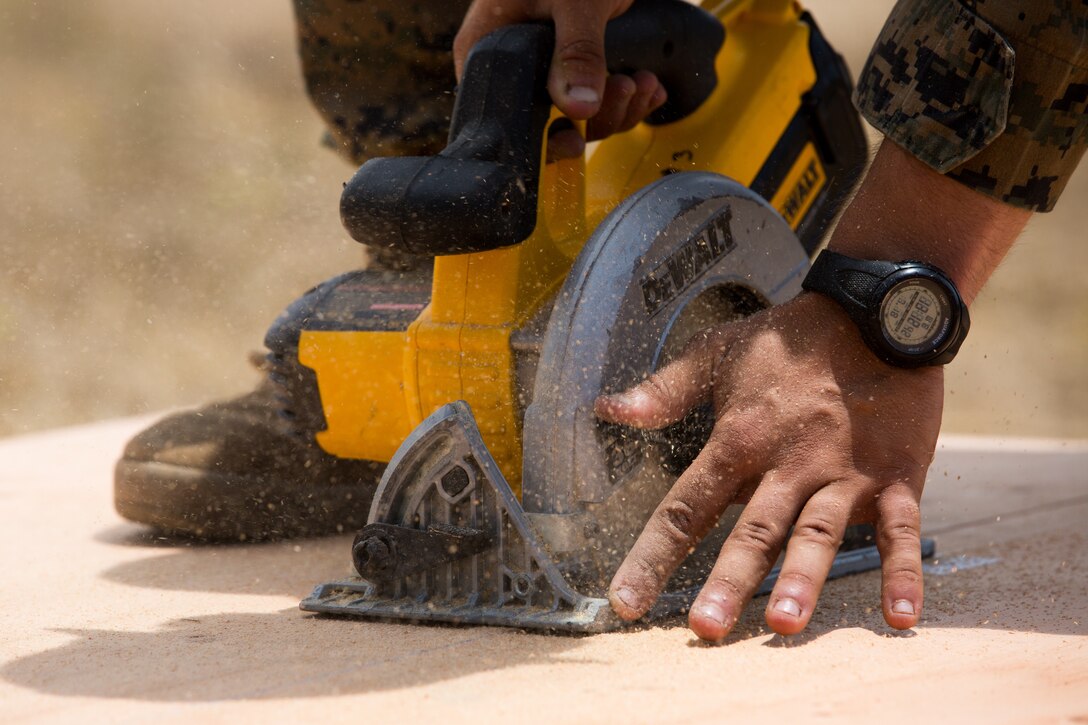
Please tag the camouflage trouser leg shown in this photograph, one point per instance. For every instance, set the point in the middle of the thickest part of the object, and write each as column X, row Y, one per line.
column 381, row 72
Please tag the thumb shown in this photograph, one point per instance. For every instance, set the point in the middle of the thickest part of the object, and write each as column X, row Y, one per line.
column 578, row 72
column 667, row 395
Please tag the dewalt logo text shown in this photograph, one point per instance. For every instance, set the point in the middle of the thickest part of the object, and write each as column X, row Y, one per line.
column 802, row 192
column 688, row 263
column 800, row 187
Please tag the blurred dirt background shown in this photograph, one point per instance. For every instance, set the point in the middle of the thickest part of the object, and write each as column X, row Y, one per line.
column 163, row 195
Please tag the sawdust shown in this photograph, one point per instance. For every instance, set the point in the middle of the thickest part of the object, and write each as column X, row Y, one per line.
column 164, row 196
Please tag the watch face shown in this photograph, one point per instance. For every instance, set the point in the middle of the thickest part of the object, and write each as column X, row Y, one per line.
column 915, row 315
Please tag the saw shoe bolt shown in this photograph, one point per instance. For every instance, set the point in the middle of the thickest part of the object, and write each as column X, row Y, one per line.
column 372, row 555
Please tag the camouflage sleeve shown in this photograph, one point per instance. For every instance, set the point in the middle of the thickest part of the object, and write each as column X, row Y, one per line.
column 380, row 72
column 992, row 93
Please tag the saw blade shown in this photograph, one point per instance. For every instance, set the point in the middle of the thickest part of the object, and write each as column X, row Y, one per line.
column 686, row 252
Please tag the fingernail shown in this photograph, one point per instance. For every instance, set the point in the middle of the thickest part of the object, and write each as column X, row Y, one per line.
column 902, row 606
column 712, row 612
column 626, row 596
column 788, row 606
column 583, row 94
column 626, row 398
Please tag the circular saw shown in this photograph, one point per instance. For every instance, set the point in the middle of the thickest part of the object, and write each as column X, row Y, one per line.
column 505, row 500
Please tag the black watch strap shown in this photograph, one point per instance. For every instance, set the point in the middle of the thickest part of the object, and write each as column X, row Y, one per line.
column 850, row 282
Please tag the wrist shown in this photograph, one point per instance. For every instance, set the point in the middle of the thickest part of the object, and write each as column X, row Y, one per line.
column 831, row 331
column 905, row 210
column 827, row 320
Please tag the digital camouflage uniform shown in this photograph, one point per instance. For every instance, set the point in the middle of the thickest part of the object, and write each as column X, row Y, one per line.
column 993, row 93
column 381, row 72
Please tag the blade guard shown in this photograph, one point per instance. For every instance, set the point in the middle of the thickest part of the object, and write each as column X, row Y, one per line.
column 443, row 483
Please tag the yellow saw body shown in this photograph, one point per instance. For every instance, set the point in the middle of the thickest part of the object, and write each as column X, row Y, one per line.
column 376, row 386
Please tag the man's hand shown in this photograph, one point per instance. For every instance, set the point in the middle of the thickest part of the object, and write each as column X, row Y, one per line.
column 815, row 433
column 579, row 82
column 812, row 429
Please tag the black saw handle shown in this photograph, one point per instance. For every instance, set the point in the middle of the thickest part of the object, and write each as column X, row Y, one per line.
column 480, row 192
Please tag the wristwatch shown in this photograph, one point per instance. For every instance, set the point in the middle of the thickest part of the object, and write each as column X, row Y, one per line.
column 910, row 314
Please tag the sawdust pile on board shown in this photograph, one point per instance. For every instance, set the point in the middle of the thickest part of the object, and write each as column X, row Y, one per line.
column 164, row 196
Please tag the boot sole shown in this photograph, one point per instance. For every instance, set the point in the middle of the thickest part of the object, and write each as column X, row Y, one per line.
column 207, row 506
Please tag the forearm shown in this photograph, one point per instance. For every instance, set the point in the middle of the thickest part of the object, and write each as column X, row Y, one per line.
column 906, row 210
column 982, row 105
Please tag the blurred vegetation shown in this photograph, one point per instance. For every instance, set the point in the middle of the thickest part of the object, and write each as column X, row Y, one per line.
column 163, row 196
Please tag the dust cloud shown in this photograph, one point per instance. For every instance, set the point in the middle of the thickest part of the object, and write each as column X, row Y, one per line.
column 163, row 195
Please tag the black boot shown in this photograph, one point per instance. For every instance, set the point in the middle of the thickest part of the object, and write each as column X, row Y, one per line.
column 249, row 468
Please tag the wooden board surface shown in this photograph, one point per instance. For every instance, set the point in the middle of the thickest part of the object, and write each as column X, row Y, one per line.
column 104, row 622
